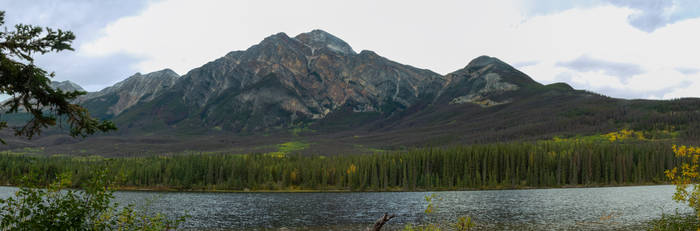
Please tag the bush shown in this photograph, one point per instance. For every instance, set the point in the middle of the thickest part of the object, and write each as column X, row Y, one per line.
column 686, row 179
column 55, row 207
column 674, row 222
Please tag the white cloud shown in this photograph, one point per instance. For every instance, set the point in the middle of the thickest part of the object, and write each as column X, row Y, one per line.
column 692, row 89
column 83, row 18
column 604, row 33
column 440, row 36
column 186, row 34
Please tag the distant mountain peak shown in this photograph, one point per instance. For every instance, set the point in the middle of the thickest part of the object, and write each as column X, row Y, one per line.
column 168, row 70
column 126, row 93
column 278, row 36
column 488, row 81
column 165, row 72
column 66, row 85
column 319, row 39
column 484, row 66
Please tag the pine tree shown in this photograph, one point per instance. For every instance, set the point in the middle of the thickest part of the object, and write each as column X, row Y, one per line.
column 29, row 86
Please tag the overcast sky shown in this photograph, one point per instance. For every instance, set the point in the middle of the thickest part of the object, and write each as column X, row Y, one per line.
column 627, row 49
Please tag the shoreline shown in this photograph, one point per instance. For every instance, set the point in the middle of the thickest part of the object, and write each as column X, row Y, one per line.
column 169, row 189
column 176, row 190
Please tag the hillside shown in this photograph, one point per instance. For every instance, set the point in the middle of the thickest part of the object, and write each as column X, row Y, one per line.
column 314, row 89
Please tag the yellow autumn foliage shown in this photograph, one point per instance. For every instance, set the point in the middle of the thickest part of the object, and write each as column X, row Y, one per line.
column 624, row 134
column 686, row 177
column 352, row 169
column 293, row 176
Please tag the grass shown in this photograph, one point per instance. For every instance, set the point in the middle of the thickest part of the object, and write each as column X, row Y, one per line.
column 674, row 222
column 292, row 146
column 288, row 147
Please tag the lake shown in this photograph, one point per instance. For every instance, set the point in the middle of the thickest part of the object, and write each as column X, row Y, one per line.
column 566, row 208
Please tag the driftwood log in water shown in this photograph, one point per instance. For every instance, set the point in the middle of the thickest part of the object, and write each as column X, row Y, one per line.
column 382, row 220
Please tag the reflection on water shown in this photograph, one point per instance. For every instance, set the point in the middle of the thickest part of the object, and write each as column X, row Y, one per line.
column 574, row 208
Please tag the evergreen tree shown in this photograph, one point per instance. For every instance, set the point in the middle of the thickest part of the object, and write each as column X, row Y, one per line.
column 29, row 86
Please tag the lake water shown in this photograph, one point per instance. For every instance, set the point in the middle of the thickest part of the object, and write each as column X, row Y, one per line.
column 550, row 209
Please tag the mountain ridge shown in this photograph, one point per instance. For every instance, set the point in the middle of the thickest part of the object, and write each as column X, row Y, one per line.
column 315, row 88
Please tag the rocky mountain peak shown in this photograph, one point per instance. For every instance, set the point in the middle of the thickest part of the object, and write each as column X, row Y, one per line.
column 139, row 79
column 66, row 86
column 142, row 83
column 493, row 68
column 319, row 39
column 276, row 37
column 135, row 89
column 488, row 81
column 165, row 72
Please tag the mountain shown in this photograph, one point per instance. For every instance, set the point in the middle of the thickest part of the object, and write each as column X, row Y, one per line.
column 486, row 81
column 66, row 86
column 287, row 81
column 316, row 89
column 138, row 88
column 281, row 82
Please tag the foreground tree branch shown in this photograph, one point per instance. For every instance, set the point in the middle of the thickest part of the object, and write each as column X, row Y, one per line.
column 382, row 221
column 29, row 86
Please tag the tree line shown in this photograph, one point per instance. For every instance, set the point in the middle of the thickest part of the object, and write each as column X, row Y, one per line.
column 503, row 165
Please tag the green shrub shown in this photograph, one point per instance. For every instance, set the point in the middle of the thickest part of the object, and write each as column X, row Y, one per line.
column 675, row 222
column 54, row 207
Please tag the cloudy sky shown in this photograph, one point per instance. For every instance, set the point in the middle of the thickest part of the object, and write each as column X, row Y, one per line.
column 627, row 49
